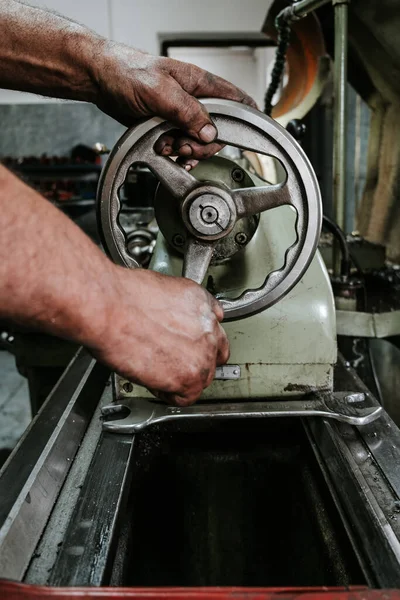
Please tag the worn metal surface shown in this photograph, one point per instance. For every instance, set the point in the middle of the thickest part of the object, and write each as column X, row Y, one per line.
column 248, row 129
column 126, row 389
column 382, row 439
column 386, row 361
column 179, row 509
column 362, row 468
column 340, row 119
column 259, row 380
column 47, row 550
column 87, row 547
column 197, row 259
column 368, row 324
column 367, row 503
column 361, row 475
column 35, row 472
column 344, row 406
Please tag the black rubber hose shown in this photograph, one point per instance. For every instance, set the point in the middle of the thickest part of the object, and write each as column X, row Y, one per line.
column 335, row 230
column 283, row 28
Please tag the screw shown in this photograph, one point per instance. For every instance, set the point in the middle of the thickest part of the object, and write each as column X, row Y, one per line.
column 178, row 240
column 241, row 238
column 237, row 175
column 128, row 387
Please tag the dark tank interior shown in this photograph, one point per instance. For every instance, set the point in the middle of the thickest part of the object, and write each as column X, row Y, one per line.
column 240, row 503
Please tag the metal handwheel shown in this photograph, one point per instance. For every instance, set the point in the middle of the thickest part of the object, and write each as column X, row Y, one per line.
column 210, row 210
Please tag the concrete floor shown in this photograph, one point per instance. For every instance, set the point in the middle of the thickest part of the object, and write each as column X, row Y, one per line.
column 15, row 411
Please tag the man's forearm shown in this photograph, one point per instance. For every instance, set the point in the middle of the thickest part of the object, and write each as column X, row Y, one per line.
column 52, row 276
column 47, row 54
column 44, row 53
column 159, row 331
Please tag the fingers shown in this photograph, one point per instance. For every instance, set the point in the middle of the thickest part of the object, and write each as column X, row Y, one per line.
column 176, row 400
column 216, row 306
column 190, row 392
column 185, row 146
column 223, row 352
column 189, row 148
column 188, row 163
column 164, row 144
column 178, row 103
column 181, row 398
column 175, row 143
column 204, row 84
column 182, row 109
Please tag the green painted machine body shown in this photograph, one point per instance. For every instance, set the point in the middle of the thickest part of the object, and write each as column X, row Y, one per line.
column 289, row 349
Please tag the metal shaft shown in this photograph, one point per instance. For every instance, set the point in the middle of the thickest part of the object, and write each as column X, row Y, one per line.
column 300, row 9
column 340, row 114
column 303, row 7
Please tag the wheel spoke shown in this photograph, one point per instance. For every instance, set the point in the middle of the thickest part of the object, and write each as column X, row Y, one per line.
column 251, row 201
column 197, row 259
column 175, row 178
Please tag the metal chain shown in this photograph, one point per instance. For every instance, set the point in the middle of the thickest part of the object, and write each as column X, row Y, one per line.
column 283, row 27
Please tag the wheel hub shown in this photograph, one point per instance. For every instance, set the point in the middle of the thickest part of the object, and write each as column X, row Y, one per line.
column 209, row 213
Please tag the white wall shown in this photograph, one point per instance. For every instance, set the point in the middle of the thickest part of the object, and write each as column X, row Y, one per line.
column 139, row 22
column 245, row 67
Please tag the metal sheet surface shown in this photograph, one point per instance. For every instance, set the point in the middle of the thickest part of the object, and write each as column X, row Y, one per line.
column 32, row 478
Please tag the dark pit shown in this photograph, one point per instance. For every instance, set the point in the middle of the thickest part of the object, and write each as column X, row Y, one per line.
column 232, row 504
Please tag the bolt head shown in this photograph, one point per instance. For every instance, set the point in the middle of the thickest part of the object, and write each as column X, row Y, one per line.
column 128, row 387
column 237, row 175
column 178, row 240
column 241, row 238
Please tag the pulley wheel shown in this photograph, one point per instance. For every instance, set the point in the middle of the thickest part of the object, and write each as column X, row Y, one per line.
column 210, row 210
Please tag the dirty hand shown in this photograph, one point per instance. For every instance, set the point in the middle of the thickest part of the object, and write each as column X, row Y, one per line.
column 133, row 85
column 164, row 334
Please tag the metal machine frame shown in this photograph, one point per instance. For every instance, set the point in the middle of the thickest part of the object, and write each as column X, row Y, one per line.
column 48, row 493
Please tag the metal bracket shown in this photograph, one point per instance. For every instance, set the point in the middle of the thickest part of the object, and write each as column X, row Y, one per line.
column 346, row 407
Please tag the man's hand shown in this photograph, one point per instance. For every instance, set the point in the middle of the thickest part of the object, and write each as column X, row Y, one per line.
column 160, row 331
column 163, row 333
column 45, row 53
column 133, row 85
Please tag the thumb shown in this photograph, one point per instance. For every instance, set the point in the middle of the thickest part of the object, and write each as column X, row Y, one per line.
column 187, row 113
